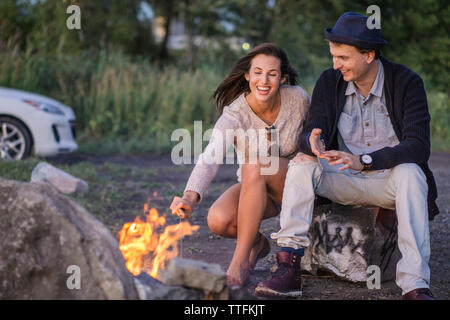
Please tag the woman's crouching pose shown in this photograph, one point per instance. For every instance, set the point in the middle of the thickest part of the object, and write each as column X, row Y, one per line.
column 253, row 99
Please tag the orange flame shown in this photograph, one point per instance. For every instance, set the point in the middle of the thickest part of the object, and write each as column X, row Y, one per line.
column 144, row 249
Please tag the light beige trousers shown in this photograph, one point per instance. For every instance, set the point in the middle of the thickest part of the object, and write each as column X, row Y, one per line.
column 403, row 188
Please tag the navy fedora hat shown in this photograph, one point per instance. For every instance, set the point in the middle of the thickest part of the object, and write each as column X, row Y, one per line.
column 351, row 28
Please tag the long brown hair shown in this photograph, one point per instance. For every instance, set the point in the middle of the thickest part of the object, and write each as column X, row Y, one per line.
column 235, row 83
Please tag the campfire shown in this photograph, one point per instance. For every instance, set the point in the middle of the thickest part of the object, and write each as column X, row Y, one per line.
column 147, row 246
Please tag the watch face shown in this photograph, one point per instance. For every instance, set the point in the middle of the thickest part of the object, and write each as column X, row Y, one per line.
column 366, row 159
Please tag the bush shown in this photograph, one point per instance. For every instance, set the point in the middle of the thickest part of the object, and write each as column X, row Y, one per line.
column 116, row 98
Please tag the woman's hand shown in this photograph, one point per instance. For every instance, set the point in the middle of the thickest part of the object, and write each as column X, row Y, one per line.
column 184, row 206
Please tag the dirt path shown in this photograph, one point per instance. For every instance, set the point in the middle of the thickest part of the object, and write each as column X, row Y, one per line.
column 208, row 247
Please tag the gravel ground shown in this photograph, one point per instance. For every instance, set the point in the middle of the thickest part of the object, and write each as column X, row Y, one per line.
column 205, row 246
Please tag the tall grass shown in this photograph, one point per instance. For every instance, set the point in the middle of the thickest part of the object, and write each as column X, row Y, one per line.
column 121, row 104
column 130, row 105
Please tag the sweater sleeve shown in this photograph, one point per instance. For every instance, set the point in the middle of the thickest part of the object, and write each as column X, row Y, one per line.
column 208, row 162
column 414, row 146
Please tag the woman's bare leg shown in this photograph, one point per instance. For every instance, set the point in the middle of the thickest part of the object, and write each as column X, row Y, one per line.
column 239, row 212
column 222, row 215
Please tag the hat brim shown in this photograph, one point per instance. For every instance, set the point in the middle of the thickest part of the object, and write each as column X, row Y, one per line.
column 354, row 41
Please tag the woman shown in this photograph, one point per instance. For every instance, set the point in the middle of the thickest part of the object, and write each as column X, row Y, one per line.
column 253, row 96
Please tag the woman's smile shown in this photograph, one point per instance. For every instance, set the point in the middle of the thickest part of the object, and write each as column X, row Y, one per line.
column 263, row 90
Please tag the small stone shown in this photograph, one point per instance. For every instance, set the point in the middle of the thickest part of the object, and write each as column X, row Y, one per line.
column 151, row 289
column 61, row 180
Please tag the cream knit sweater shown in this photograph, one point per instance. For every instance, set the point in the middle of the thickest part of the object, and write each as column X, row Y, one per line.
column 295, row 103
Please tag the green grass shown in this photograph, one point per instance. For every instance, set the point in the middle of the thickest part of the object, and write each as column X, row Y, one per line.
column 18, row 170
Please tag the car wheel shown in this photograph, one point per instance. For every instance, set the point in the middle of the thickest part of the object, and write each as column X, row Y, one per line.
column 15, row 140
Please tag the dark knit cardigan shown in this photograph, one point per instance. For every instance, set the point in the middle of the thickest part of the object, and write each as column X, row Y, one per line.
column 406, row 102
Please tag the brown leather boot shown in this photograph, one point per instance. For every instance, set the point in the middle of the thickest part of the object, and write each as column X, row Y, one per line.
column 419, row 294
column 286, row 281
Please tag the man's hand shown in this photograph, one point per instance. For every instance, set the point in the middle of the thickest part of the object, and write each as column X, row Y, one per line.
column 317, row 146
column 184, row 206
column 349, row 161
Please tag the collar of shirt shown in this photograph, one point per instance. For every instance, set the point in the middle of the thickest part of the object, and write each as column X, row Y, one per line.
column 377, row 87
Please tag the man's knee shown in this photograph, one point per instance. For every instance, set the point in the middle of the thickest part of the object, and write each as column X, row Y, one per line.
column 301, row 157
column 409, row 172
column 302, row 170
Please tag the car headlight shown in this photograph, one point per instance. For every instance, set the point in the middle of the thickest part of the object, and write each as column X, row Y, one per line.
column 44, row 106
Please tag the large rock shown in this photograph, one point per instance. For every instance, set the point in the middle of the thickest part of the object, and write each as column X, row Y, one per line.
column 193, row 274
column 151, row 289
column 46, row 238
column 346, row 240
column 61, row 180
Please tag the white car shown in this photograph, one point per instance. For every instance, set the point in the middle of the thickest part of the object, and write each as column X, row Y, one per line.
column 34, row 124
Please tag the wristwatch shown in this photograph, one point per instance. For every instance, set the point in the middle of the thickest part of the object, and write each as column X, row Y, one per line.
column 366, row 161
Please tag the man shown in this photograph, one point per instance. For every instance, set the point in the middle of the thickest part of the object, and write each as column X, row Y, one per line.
column 366, row 142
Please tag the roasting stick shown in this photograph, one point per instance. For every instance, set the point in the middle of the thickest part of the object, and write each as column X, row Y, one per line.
column 181, row 244
column 181, row 214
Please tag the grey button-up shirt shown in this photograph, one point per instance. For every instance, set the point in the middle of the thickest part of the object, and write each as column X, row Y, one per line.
column 364, row 125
